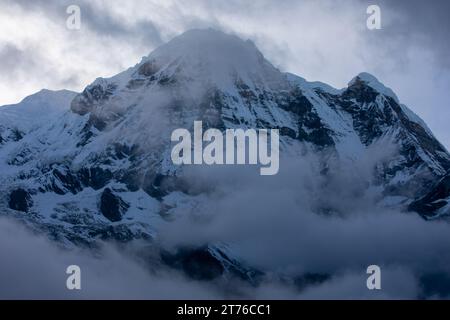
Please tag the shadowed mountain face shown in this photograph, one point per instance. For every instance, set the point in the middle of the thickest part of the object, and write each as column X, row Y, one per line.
column 96, row 165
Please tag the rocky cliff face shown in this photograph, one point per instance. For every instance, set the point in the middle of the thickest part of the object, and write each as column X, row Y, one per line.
column 99, row 166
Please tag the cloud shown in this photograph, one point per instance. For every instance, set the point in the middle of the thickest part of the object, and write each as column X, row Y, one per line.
column 34, row 268
column 301, row 222
column 98, row 18
column 419, row 23
column 399, row 284
column 14, row 59
column 59, row 58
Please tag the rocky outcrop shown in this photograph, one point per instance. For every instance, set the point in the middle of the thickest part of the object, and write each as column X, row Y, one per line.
column 198, row 264
column 20, row 200
column 94, row 95
column 435, row 201
column 112, row 206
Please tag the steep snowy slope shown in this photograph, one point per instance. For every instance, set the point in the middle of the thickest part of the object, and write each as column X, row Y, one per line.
column 32, row 112
column 375, row 115
column 102, row 168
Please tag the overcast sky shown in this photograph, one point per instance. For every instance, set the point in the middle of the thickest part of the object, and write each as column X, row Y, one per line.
column 320, row 40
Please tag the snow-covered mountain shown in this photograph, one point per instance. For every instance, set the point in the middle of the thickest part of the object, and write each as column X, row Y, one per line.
column 32, row 112
column 96, row 165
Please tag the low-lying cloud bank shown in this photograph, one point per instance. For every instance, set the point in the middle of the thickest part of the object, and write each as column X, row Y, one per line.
column 302, row 222
column 32, row 267
column 299, row 222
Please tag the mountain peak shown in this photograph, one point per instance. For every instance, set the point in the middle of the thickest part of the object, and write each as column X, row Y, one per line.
column 213, row 55
column 365, row 78
column 33, row 110
column 45, row 97
column 203, row 41
column 195, row 61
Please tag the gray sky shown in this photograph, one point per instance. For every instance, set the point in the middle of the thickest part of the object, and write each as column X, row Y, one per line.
column 320, row 40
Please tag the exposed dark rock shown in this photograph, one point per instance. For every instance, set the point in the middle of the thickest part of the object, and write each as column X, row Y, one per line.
column 165, row 81
column 120, row 233
column 17, row 135
column 157, row 186
column 285, row 131
column 208, row 263
column 92, row 96
column 426, row 141
column 68, row 180
column 198, row 264
column 20, row 200
column 296, row 103
column 135, row 83
column 310, row 127
column 112, row 206
column 86, row 134
column 62, row 180
column 95, row 177
column 99, row 123
column 211, row 110
column 131, row 179
column 236, row 268
column 148, row 69
column 245, row 92
column 434, row 200
column 360, row 91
